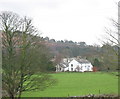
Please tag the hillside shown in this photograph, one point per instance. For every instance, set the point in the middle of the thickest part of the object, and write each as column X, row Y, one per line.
column 71, row 49
column 97, row 55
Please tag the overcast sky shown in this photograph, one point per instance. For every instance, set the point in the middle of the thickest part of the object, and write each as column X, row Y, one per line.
column 77, row 20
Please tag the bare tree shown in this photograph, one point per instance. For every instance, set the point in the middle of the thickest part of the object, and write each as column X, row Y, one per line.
column 113, row 34
column 112, row 41
column 21, row 56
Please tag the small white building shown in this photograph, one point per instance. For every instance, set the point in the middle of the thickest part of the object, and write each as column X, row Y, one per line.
column 74, row 64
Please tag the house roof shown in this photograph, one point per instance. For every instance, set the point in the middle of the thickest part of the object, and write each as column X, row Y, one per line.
column 65, row 63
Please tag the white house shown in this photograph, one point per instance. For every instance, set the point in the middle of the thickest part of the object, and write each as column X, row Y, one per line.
column 74, row 64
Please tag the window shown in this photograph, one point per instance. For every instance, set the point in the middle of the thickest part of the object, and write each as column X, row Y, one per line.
column 60, row 69
column 71, row 69
column 71, row 65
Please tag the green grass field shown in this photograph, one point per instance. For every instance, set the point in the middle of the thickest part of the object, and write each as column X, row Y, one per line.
column 76, row 84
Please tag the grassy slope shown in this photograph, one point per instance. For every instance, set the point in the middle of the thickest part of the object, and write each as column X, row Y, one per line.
column 76, row 84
